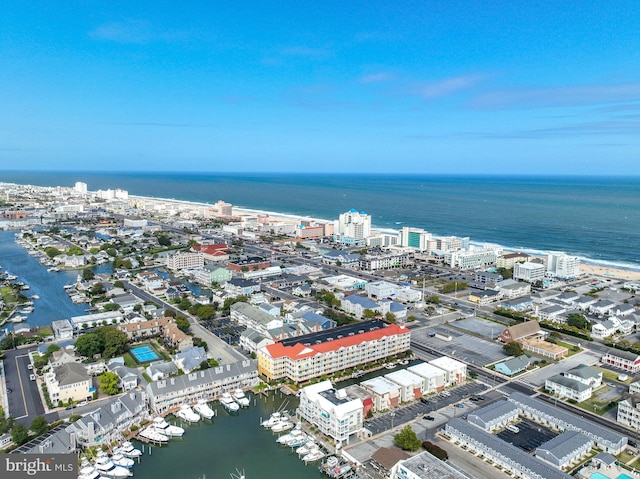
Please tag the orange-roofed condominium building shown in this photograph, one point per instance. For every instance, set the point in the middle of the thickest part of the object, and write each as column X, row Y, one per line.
column 313, row 355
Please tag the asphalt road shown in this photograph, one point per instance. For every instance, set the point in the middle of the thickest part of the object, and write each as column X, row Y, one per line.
column 23, row 399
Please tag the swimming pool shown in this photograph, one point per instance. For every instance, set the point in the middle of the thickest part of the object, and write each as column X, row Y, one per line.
column 144, row 354
column 597, row 475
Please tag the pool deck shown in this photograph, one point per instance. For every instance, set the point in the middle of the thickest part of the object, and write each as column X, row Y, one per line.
column 611, row 472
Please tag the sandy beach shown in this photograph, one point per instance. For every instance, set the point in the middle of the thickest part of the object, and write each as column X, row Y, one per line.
column 610, row 273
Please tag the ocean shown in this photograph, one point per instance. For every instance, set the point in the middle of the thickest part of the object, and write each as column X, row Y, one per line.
column 595, row 218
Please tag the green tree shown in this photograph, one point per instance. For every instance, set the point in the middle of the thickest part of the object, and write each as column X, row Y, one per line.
column 184, row 304
column 115, row 341
column 39, row 425
column 88, row 274
column 74, row 251
column 407, row 440
column 390, row 317
column 169, row 313
column 368, row 314
column 19, row 434
column 183, row 324
column 454, row 286
column 109, row 383
column 206, row 312
column 89, row 345
column 433, row 299
column 111, row 307
column 579, row 321
column 513, row 349
column 118, row 284
column 52, row 252
column 97, row 289
column 164, row 240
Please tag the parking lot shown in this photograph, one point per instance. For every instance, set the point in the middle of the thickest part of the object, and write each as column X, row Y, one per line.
column 227, row 330
column 529, row 437
column 472, row 349
column 427, row 406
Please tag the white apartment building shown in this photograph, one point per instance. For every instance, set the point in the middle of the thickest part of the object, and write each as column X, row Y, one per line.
column 410, row 384
column 386, row 394
column 433, row 378
column 565, row 387
column 332, row 411
column 352, row 227
column 472, row 258
column 80, row 188
column 455, row 371
column 561, row 265
column 528, row 271
column 185, row 260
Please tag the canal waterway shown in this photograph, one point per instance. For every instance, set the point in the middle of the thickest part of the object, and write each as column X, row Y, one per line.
column 215, row 449
column 54, row 303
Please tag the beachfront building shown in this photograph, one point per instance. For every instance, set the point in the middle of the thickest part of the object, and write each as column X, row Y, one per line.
column 509, row 260
column 415, row 238
column 472, row 258
column 455, row 372
column 207, row 384
column 331, row 411
column 352, row 227
column 561, row 265
column 184, row 260
column 623, row 360
column 326, row 352
column 529, row 271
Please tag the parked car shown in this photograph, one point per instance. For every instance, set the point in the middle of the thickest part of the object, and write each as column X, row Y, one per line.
column 429, row 418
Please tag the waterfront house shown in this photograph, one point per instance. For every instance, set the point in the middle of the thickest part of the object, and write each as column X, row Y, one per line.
column 69, row 382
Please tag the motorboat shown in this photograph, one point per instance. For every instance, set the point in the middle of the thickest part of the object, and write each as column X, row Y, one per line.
column 153, row 435
column 26, row 310
column 314, row 455
column 229, row 404
column 162, row 426
column 107, row 468
column 35, row 296
column 121, row 460
column 87, row 471
column 306, row 448
column 272, row 421
column 127, row 449
column 240, row 398
column 298, row 441
column 186, row 413
column 293, row 435
column 18, row 319
column 202, row 408
column 282, row 425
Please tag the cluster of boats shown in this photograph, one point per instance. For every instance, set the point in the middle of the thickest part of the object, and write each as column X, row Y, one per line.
column 305, row 446
column 116, row 466
column 278, row 422
column 160, row 431
column 232, row 402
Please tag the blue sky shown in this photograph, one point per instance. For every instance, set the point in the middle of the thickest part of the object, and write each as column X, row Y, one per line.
column 511, row 87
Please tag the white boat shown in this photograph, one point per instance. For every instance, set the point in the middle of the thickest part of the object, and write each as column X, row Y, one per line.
column 153, row 435
column 313, row 456
column 185, row 412
column 27, row 309
column 87, row 471
column 298, row 441
column 162, row 426
column 18, row 319
column 127, row 449
column 119, row 459
column 282, row 426
column 35, row 296
column 229, row 404
column 202, row 408
column 293, row 434
column 272, row 421
column 306, row 448
column 25, row 287
column 240, row 398
column 107, row 468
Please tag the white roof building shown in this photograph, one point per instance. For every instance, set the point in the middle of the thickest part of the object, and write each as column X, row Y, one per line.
column 433, row 378
column 410, row 384
column 455, row 371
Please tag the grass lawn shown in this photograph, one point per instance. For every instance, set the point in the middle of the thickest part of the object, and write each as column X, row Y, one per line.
column 613, row 376
column 623, row 457
column 596, row 407
column 573, row 349
column 129, row 361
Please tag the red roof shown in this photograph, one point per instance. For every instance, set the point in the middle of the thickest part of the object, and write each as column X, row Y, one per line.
column 300, row 351
column 212, row 249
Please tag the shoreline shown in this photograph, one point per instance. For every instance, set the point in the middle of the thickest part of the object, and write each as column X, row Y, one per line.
column 607, row 269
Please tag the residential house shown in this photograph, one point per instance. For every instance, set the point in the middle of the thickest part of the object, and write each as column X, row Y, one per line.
column 69, row 382
column 190, row 358
column 513, row 365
